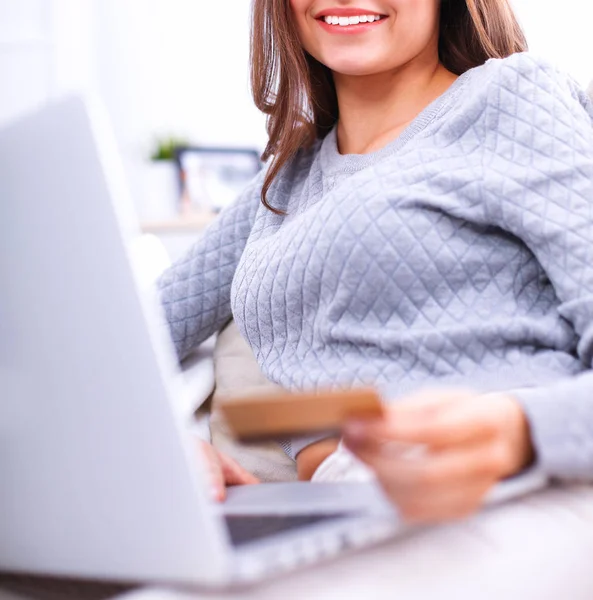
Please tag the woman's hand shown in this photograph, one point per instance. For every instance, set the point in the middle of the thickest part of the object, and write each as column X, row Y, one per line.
column 223, row 470
column 437, row 454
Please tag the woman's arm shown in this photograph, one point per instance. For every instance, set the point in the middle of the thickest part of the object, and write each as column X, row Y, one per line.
column 195, row 291
column 538, row 185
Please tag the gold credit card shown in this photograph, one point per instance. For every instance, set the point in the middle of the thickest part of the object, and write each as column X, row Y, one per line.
column 295, row 414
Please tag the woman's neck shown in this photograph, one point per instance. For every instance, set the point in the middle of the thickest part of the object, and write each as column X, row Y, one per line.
column 375, row 109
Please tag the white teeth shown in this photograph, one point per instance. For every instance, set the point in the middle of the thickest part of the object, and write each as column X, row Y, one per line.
column 345, row 21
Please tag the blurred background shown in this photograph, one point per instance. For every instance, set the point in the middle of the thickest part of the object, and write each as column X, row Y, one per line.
column 179, row 69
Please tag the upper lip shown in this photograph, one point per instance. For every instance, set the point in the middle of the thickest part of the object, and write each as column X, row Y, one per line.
column 345, row 12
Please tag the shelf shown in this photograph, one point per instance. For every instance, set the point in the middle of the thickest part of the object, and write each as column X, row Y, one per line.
column 197, row 222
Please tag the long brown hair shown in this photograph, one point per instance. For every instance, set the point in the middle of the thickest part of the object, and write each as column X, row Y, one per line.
column 298, row 94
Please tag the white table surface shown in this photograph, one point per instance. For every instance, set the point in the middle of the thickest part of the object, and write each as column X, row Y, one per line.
column 537, row 548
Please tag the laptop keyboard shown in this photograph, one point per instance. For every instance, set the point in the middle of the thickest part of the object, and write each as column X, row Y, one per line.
column 248, row 528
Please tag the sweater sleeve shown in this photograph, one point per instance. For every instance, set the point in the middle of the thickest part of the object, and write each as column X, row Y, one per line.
column 538, row 185
column 195, row 291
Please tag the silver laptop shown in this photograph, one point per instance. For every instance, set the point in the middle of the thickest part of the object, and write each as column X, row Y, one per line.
column 99, row 476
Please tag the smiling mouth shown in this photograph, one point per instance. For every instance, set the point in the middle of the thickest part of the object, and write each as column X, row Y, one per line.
column 339, row 21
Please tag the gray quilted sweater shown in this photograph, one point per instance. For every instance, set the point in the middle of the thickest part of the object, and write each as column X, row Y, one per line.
column 461, row 253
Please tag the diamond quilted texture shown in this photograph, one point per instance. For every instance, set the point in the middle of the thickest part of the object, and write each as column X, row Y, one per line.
column 460, row 253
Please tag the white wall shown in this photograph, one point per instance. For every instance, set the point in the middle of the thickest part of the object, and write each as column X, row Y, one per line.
column 174, row 67
column 25, row 56
column 46, row 50
column 162, row 66
column 177, row 66
column 74, row 52
column 561, row 31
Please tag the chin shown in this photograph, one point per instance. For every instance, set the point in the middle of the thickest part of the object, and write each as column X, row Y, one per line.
column 354, row 67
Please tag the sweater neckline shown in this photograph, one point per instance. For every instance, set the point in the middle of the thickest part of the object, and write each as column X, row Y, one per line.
column 333, row 163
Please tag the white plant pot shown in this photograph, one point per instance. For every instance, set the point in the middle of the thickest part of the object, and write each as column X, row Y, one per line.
column 159, row 188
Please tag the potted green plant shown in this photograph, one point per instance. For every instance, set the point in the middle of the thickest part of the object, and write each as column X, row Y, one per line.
column 160, row 179
column 164, row 148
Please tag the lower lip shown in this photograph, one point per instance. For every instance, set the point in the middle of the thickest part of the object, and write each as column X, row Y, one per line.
column 350, row 29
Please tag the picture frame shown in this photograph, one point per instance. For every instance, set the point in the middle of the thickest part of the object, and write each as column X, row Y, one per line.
column 211, row 178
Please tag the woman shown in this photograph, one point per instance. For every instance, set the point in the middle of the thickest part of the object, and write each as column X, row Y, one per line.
column 425, row 222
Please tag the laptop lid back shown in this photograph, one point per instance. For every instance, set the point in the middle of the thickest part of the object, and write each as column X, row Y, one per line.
column 97, row 479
